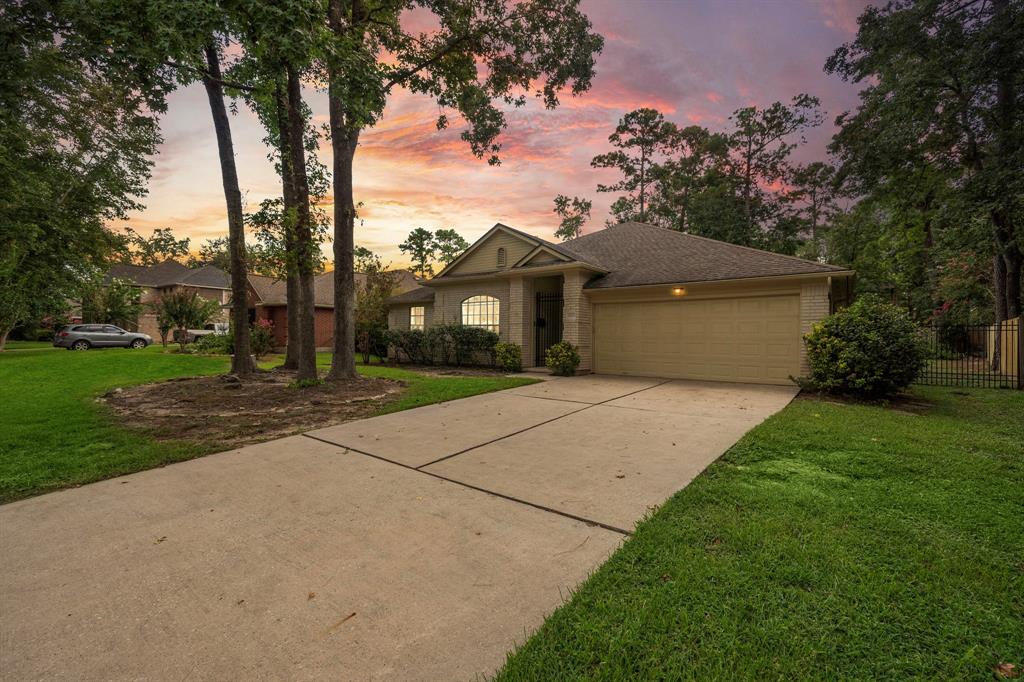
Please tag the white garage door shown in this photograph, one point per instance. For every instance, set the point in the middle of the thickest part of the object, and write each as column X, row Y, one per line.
column 753, row 339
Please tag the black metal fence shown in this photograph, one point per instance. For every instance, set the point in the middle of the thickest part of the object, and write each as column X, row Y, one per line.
column 986, row 356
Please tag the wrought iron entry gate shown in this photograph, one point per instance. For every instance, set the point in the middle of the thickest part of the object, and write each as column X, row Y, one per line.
column 547, row 328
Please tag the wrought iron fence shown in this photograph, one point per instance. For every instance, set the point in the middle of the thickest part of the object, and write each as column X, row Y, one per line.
column 986, row 356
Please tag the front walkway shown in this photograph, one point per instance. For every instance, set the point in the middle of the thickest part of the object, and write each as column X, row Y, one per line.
column 418, row 545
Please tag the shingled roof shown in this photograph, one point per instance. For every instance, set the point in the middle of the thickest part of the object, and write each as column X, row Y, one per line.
column 636, row 254
column 420, row 294
column 274, row 292
column 169, row 273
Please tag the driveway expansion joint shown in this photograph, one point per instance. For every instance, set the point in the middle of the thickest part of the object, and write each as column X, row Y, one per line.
column 540, row 507
column 421, row 468
column 587, row 406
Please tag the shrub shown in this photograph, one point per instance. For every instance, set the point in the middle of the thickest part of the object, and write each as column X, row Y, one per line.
column 562, row 358
column 38, row 334
column 261, row 338
column 370, row 340
column 443, row 344
column 871, row 349
column 215, row 344
column 437, row 346
column 468, row 342
column 410, row 342
column 508, row 357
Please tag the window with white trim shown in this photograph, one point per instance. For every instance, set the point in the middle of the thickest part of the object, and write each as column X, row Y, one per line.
column 417, row 317
column 502, row 257
column 481, row 311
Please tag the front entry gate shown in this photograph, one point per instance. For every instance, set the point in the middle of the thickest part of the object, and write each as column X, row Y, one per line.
column 547, row 329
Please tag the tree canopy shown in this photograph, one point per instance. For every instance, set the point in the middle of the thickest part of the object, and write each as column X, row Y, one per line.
column 938, row 136
column 76, row 142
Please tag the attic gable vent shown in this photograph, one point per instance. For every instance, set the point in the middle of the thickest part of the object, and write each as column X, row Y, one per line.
column 501, row 257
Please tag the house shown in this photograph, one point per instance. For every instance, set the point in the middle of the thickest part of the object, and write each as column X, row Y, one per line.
column 269, row 298
column 153, row 281
column 636, row 300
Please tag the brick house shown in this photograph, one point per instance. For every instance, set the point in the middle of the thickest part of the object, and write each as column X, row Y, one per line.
column 636, row 300
column 154, row 281
column 269, row 299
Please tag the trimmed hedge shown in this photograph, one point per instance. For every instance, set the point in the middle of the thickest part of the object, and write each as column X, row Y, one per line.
column 446, row 344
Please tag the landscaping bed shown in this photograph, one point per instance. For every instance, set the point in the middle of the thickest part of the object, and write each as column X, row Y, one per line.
column 234, row 412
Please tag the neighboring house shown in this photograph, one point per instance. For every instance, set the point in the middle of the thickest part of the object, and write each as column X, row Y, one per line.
column 637, row 300
column 156, row 280
column 269, row 297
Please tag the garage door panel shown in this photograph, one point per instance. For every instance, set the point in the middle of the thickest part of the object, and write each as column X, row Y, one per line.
column 753, row 339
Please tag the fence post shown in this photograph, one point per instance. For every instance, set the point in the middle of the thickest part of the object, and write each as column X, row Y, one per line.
column 1020, row 353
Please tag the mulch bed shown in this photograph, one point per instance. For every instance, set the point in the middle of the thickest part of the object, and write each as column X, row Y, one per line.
column 224, row 409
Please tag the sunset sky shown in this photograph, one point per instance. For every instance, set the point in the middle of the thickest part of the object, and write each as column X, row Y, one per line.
column 696, row 62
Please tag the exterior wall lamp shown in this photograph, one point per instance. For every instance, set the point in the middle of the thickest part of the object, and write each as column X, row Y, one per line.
column 679, row 291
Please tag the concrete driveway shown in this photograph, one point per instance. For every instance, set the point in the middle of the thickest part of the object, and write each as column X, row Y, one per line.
column 417, row 545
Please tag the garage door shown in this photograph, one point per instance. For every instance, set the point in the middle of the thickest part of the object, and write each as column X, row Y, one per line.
column 753, row 339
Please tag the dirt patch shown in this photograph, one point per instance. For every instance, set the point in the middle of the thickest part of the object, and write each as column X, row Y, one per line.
column 224, row 409
column 905, row 403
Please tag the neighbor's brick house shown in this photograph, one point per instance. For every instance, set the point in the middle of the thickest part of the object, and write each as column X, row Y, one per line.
column 154, row 281
column 637, row 300
column 269, row 298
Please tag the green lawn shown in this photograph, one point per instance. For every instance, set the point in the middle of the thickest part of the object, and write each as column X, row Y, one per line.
column 28, row 345
column 834, row 541
column 54, row 435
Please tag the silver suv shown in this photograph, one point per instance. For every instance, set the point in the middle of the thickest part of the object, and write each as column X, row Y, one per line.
column 86, row 336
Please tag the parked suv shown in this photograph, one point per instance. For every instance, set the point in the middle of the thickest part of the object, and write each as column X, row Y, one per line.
column 86, row 336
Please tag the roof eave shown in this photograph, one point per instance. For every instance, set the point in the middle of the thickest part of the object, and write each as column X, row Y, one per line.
column 758, row 278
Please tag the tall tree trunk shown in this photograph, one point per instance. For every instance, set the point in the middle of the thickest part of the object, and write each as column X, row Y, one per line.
column 3, row 338
column 344, row 139
column 241, row 361
column 343, row 364
column 304, row 245
column 288, row 203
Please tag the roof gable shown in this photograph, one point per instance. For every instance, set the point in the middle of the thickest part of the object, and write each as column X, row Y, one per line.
column 542, row 255
column 482, row 255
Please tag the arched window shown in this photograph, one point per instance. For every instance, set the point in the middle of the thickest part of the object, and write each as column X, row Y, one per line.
column 481, row 311
column 501, row 257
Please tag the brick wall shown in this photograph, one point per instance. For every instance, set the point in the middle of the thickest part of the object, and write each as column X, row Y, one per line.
column 323, row 325
column 814, row 305
column 398, row 316
column 577, row 318
column 448, row 302
column 520, row 324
